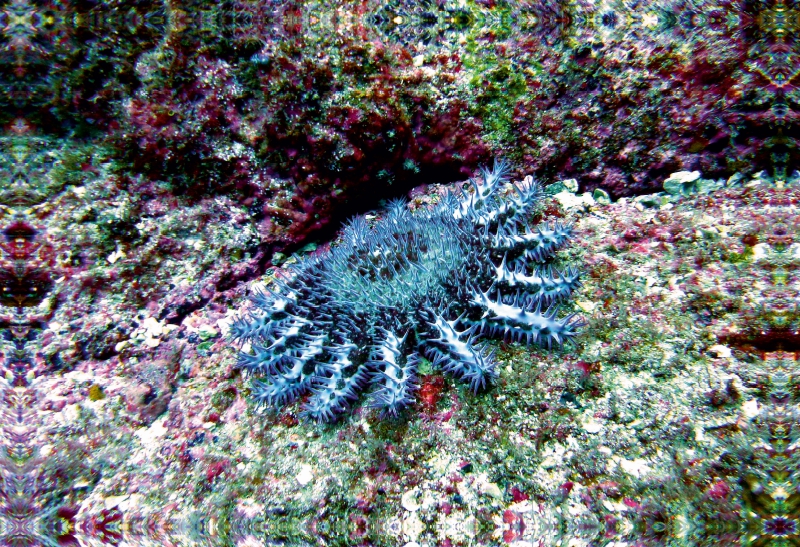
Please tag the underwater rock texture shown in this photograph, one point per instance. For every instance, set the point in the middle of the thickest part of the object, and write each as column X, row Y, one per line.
column 305, row 107
column 677, row 389
column 429, row 283
column 155, row 156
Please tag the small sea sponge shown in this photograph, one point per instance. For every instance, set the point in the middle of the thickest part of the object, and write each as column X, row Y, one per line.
column 429, row 283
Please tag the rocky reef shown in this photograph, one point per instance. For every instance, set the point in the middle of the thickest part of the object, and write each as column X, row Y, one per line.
column 160, row 163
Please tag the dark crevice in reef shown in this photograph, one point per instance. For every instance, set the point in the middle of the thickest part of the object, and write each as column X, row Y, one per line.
column 770, row 341
column 363, row 201
column 350, row 207
column 174, row 315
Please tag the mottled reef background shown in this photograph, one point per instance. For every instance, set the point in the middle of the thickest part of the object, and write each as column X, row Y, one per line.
column 159, row 158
